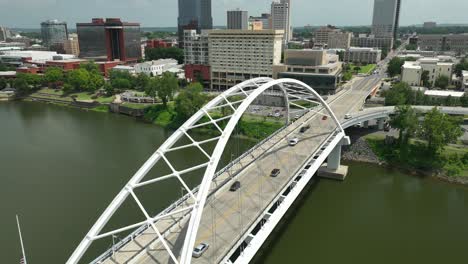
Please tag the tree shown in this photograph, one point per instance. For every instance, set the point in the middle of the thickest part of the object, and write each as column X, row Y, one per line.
column 167, row 87
column 439, row 130
column 152, row 87
column 347, row 76
column 96, row 81
column 121, row 84
column 190, row 100
column 109, row 89
column 425, row 79
column 165, row 53
column 78, row 79
column 460, row 67
column 442, row 82
column 22, row 86
column 121, row 79
column 3, row 83
column 406, row 121
column 141, row 81
column 400, row 94
column 53, row 76
column 411, row 47
column 464, row 100
column 394, row 66
column 90, row 67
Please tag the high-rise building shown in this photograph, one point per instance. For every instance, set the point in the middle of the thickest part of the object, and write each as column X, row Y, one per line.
column 365, row 41
column 53, row 33
column 451, row 42
column 265, row 18
column 5, row 33
column 322, row 33
column 193, row 14
column 196, row 56
column 386, row 18
column 430, row 24
column 109, row 39
column 237, row 19
column 71, row 45
column 281, row 18
column 239, row 55
column 339, row 40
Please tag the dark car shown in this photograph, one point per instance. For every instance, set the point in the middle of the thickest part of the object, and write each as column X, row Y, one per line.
column 324, row 118
column 275, row 173
column 235, row 186
column 304, row 128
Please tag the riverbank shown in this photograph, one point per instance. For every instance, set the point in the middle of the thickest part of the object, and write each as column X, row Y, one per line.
column 373, row 149
column 250, row 127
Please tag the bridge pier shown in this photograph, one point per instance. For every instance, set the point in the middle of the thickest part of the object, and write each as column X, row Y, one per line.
column 365, row 124
column 381, row 123
column 333, row 168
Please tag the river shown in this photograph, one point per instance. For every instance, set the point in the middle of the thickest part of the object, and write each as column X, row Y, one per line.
column 60, row 167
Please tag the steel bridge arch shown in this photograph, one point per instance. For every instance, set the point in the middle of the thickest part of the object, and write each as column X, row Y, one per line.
column 259, row 85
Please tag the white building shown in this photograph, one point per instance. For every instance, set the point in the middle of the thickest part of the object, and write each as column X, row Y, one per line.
column 412, row 70
column 362, row 55
column 443, row 94
column 465, row 80
column 239, row 55
column 411, row 73
column 156, row 67
column 281, row 18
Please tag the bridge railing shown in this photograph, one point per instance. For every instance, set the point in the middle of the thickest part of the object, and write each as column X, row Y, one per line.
column 181, row 201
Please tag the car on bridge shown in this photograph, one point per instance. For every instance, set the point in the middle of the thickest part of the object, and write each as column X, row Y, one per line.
column 274, row 173
column 304, row 128
column 235, row 186
column 199, row 250
column 293, row 141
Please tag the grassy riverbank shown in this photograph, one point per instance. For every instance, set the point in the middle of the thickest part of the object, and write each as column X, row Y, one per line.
column 250, row 126
column 452, row 162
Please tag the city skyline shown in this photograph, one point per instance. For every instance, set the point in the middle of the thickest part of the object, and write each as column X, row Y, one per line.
column 159, row 13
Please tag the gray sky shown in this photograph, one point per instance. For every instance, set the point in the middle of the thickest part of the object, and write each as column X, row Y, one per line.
column 163, row 13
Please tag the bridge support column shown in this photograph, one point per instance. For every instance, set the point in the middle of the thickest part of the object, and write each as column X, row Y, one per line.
column 365, row 124
column 333, row 168
column 381, row 123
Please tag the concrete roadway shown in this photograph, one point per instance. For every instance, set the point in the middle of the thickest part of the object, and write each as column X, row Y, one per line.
column 228, row 215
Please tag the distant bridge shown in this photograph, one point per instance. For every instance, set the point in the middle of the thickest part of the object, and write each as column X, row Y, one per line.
column 382, row 113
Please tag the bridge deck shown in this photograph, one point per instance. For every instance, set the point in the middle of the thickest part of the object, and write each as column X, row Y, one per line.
column 228, row 215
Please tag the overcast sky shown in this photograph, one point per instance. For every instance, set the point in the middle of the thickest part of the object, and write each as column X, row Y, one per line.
column 163, row 13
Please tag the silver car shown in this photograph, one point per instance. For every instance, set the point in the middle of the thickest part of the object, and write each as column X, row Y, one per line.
column 199, row 250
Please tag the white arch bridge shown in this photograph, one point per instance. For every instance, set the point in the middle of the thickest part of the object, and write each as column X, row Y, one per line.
column 234, row 224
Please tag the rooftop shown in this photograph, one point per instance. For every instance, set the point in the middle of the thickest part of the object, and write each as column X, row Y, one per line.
column 444, row 93
column 412, row 65
column 363, row 49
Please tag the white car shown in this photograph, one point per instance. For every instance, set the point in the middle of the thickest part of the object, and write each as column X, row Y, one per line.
column 348, row 116
column 293, row 142
column 199, row 250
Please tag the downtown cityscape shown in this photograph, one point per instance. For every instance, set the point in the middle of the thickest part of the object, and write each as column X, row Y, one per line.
column 222, row 135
